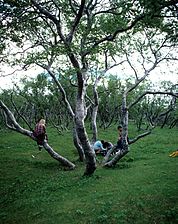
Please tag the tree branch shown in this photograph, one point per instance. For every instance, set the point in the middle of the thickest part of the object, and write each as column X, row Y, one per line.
column 150, row 92
column 16, row 127
column 61, row 89
column 76, row 21
column 111, row 37
column 131, row 141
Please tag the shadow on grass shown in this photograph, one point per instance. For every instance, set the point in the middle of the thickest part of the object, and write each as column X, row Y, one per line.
column 122, row 165
column 44, row 165
column 40, row 165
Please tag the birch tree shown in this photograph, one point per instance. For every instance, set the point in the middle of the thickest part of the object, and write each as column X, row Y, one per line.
column 61, row 34
column 151, row 58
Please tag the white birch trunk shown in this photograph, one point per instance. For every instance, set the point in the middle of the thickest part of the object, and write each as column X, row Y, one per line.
column 95, row 111
column 122, row 152
column 83, row 137
column 94, row 125
column 78, row 146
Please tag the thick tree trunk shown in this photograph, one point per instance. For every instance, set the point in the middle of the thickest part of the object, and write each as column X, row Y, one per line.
column 81, row 132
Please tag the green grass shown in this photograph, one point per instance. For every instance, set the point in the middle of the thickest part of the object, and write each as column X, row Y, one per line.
column 142, row 188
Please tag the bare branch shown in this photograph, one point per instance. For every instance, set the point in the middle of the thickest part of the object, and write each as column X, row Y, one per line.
column 147, row 72
column 151, row 92
column 131, row 141
column 111, row 37
column 128, row 60
column 16, row 70
column 61, row 89
column 76, row 21
column 45, row 12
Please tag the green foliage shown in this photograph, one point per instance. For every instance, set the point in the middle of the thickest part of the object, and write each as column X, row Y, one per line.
column 39, row 190
column 23, row 22
column 40, row 97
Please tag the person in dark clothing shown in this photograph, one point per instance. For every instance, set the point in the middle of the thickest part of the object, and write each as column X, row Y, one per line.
column 40, row 133
column 102, row 147
column 107, row 145
column 119, row 142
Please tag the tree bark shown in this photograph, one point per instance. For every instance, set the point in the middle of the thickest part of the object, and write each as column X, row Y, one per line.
column 77, row 145
column 81, row 132
column 58, row 157
column 121, row 152
column 95, row 111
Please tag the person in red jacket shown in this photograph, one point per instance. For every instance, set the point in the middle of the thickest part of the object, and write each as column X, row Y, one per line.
column 40, row 133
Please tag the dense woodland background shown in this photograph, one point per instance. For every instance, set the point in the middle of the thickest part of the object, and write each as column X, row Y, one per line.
column 38, row 97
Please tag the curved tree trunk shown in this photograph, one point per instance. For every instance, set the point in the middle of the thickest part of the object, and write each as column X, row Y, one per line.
column 121, row 153
column 75, row 136
column 58, row 157
column 12, row 124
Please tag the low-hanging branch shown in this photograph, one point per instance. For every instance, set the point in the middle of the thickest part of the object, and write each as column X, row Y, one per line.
column 12, row 124
column 131, row 141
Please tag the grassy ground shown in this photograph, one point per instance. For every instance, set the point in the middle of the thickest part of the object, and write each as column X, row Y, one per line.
column 143, row 188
